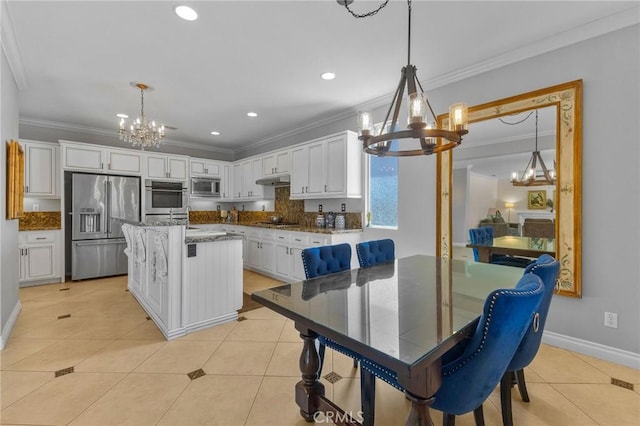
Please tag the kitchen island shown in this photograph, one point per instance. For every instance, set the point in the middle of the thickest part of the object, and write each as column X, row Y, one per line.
column 185, row 280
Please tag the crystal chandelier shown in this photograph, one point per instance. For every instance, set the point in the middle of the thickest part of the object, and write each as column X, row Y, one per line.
column 420, row 128
column 531, row 176
column 141, row 132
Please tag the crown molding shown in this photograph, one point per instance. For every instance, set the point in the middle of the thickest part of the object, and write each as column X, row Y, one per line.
column 10, row 47
column 111, row 133
column 598, row 27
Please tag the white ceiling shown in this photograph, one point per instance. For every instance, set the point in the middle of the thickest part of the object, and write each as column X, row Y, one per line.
column 78, row 57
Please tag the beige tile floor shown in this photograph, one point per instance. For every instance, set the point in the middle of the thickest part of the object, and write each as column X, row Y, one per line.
column 125, row 373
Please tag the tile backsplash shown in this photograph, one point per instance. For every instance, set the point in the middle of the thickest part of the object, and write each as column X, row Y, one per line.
column 289, row 210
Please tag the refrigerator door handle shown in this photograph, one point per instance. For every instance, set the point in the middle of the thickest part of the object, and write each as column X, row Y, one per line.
column 101, row 243
column 108, row 216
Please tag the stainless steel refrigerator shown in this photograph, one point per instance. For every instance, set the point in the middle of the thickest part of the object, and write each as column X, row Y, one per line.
column 97, row 241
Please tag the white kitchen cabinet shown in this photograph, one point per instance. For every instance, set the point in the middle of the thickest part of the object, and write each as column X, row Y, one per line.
column 97, row 158
column 41, row 177
column 330, row 167
column 205, row 168
column 39, row 257
column 167, row 167
column 226, row 182
column 124, row 161
column 276, row 163
column 245, row 174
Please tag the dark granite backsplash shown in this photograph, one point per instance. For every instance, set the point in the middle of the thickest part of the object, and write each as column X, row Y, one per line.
column 40, row 221
column 289, row 211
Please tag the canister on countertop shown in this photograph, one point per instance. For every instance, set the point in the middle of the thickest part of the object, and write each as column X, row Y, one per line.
column 320, row 223
column 340, row 221
column 330, row 220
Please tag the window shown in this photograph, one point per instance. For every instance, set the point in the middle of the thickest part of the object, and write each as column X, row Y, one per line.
column 382, row 194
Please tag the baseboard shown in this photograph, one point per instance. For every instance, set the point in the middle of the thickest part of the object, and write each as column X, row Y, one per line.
column 596, row 350
column 8, row 327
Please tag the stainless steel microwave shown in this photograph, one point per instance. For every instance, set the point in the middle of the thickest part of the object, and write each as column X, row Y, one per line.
column 205, row 187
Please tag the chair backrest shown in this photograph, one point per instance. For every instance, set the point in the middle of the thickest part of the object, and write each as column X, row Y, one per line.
column 547, row 268
column 325, row 260
column 541, row 228
column 469, row 378
column 374, row 252
column 481, row 235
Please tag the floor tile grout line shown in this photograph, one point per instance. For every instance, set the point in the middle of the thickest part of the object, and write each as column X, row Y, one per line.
column 253, row 402
column 574, row 403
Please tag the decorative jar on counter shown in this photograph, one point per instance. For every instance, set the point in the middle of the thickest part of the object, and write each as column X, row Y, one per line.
column 340, row 221
column 320, row 221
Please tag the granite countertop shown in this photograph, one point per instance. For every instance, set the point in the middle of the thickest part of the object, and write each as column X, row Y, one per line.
column 301, row 228
column 163, row 222
column 211, row 238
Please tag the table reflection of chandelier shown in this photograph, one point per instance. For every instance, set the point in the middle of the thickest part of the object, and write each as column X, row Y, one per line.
column 141, row 132
column 531, row 176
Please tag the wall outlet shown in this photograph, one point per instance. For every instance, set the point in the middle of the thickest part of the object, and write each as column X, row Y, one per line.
column 319, row 208
column 343, row 207
column 36, row 207
column 611, row 319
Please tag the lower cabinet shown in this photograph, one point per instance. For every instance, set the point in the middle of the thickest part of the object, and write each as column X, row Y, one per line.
column 279, row 253
column 39, row 257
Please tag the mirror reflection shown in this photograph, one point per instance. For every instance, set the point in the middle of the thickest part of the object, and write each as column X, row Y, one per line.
column 504, row 179
column 564, row 101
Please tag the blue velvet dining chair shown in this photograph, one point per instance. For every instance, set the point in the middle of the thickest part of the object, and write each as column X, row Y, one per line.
column 484, row 235
column 325, row 260
column 547, row 268
column 473, row 368
column 374, row 252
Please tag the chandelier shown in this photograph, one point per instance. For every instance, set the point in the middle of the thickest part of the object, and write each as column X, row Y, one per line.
column 141, row 132
column 420, row 128
column 531, row 176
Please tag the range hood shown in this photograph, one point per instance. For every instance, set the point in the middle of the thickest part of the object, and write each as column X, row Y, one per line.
column 283, row 180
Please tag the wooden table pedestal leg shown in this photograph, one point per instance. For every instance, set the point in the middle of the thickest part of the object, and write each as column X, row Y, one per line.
column 309, row 388
column 419, row 413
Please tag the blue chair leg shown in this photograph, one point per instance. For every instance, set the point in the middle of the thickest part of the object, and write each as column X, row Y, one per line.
column 522, row 385
column 478, row 415
column 448, row 419
column 368, row 397
column 505, row 398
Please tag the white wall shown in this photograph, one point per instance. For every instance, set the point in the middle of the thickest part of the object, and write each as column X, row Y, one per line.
column 9, row 302
column 482, row 196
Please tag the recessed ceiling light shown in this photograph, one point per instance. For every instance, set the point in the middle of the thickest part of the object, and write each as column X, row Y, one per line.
column 186, row 13
column 120, row 115
column 252, row 114
column 328, row 75
column 214, row 133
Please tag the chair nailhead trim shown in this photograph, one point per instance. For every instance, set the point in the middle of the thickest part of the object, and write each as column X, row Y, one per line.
column 485, row 331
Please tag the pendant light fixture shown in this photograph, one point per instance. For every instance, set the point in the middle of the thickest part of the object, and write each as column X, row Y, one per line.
column 141, row 132
column 420, row 127
column 531, row 176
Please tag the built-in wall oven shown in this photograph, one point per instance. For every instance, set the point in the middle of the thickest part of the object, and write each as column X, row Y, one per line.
column 165, row 197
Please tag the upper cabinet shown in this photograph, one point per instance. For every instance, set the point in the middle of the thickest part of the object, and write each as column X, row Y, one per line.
column 330, row 167
column 98, row 158
column 167, row 166
column 41, row 176
column 245, row 174
column 204, row 167
column 276, row 163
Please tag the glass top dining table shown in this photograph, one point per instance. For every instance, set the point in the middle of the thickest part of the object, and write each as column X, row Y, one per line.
column 515, row 246
column 403, row 315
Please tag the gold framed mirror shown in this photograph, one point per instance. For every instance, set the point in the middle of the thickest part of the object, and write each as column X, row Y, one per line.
column 567, row 98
